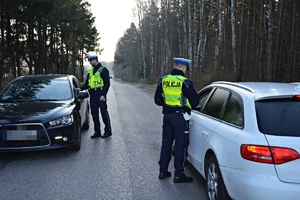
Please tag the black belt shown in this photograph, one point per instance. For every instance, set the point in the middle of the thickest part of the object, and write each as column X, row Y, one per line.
column 95, row 89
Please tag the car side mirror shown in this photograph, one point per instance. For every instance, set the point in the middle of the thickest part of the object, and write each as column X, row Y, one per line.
column 82, row 95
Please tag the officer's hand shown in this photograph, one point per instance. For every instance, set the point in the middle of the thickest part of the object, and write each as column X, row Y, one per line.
column 102, row 98
column 77, row 89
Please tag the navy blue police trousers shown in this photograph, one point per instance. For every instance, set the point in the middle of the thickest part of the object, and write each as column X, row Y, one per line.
column 175, row 127
column 95, row 105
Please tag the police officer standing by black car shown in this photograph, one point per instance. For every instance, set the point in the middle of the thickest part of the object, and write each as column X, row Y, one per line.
column 177, row 96
column 98, row 83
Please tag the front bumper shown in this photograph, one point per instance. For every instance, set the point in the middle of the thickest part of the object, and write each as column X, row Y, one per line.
column 34, row 136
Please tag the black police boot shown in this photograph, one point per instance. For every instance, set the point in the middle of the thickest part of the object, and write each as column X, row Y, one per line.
column 164, row 175
column 95, row 135
column 105, row 135
column 182, row 179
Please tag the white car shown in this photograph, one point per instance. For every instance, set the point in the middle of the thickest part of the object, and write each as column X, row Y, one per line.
column 245, row 140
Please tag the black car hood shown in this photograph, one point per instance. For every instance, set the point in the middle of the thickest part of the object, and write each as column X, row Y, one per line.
column 37, row 112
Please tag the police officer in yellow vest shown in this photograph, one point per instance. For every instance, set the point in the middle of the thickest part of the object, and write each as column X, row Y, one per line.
column 98, row 83
column 176, row 94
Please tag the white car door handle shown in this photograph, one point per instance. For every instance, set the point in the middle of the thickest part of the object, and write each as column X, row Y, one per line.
column 205, row 133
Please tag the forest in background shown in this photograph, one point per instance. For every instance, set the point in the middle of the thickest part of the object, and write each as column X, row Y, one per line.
column 45, row 36
column 232, row 40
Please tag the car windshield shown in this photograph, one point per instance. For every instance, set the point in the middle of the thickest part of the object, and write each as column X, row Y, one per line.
column 37, row 90
column 279, row 117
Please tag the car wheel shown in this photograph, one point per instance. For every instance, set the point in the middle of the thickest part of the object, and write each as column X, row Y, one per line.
column 77, row 145
column 216, row 189
column 86, row 124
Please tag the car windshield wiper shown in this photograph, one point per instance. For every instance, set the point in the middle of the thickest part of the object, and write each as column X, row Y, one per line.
column 7, row 100
column 24, row 100
column 46, row 100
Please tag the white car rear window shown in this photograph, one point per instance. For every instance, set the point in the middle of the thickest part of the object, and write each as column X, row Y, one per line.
column 279, row 117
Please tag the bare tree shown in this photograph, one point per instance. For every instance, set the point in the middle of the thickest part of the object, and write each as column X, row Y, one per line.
column 141, row 12
column 295, row 38
column 253, row 40
column 179, row 25
column 200, row 44
column 233, row 37
column 279, row 39
column 219, row 37
column 190, row 41
column 240, row 43
column 270, row 41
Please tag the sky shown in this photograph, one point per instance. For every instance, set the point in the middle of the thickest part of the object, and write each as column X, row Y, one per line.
column 113, row 18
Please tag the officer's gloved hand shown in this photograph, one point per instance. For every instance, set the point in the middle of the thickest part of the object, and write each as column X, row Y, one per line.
column 186, row 116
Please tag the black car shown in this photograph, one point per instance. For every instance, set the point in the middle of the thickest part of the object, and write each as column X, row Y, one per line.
column 40, row 112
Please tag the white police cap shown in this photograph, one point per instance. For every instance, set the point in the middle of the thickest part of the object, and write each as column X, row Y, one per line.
column 183, row 61
column 92, row 57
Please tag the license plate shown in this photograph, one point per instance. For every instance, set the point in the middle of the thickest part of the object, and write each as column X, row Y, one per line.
column 13, row 135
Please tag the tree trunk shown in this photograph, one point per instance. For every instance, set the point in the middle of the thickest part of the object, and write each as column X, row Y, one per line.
column 2, row 43
column 241, row 32
column 9, row 40
column 219, row 38
column 270, row 41
column 167, row 33
column 179, row 26
column 190, row 41
column 30, row 43
column 39, row 64
column 198, row 57
column 142, row 41
column 18, row 55
column 281, row 18
column 233, row 40
column 294, row 39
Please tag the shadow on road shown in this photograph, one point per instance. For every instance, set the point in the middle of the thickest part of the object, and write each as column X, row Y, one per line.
column 7, row 157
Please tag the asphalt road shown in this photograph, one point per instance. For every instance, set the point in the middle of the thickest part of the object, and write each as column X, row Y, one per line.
column 123, row 166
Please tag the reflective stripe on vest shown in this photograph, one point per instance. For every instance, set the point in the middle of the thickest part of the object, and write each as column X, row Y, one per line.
column 172, row 88
column 95, row 80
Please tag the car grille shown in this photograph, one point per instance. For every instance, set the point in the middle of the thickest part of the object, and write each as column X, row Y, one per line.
column 23, row 136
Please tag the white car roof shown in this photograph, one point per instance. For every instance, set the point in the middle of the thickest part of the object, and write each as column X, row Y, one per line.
column 262, row 90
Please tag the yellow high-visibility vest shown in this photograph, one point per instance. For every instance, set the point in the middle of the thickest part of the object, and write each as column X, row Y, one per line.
column 172, row 88
column 95, row 80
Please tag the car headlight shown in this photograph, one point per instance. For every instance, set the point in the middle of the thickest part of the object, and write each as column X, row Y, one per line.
column 62, row 121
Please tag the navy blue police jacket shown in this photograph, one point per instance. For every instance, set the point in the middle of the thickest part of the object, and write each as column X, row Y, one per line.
column 188, row 91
